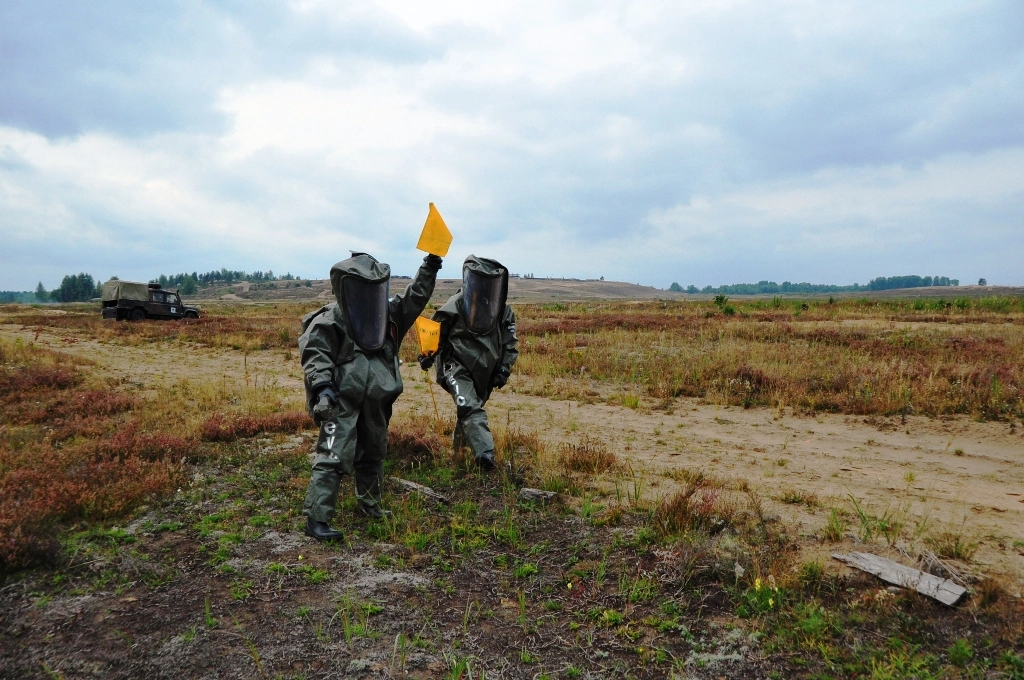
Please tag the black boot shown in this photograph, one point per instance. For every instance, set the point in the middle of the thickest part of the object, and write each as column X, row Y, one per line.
column 485, row 461
column 374, row 511
column 322, row 531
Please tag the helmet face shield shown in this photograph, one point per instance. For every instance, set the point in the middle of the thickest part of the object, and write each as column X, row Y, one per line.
column 366, row 308
column 483, row 299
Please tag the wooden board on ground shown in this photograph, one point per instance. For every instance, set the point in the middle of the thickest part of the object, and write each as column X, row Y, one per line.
column 941, row 589
column 536, row 495
column 420, row 489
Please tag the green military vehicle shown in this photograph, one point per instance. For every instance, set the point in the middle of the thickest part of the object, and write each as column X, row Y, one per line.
column 126, row 300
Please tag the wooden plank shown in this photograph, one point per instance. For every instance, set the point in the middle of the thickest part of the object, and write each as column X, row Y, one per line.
column 528, row 494
column 941, row 589
column 420, row 489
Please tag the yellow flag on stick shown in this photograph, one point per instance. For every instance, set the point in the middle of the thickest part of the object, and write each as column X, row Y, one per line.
column 435, row 238
column 429, row 334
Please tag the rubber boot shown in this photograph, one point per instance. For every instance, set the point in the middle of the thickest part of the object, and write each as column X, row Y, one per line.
column 322, row 531
column 485, row 461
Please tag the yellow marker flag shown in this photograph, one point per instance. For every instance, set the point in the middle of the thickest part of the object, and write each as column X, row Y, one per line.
column 435, row 238
column 429, row 334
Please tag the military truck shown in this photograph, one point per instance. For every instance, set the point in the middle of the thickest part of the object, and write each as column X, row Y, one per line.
column 126, row 300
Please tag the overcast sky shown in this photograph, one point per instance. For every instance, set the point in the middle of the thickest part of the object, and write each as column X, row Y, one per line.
column 698, row 142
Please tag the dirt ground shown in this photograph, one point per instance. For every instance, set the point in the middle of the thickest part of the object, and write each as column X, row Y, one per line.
column 218, row 582
column 954, row 472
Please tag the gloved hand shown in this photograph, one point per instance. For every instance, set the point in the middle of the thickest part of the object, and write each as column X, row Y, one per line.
column 326, row 401
column 500, row 378
column 327, row 392
column 433, row 262
column 426, row 361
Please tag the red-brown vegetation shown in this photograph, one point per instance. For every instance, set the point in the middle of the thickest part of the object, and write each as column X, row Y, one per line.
column 69, row 453
column 69, row 450
column 221, row 428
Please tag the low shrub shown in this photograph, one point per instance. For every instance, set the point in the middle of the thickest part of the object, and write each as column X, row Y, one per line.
column 90, row 461
column 953, row 544
column 589, row 456
column 695, row 507
column 221, row 428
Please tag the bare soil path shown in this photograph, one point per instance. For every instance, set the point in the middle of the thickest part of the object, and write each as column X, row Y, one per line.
column 962, row 473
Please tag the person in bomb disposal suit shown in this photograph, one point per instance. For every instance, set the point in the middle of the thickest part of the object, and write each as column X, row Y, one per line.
column 349, row 353
column 477, row 349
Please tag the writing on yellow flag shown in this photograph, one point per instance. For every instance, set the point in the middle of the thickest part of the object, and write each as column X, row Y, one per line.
column 429, row 334
column 435, row 237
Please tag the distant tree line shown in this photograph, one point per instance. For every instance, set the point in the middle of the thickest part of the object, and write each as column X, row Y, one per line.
column 73, row 288
column 772, row 288
column 187, row 284
column 83, row 287
column 893, row 282
column 17, row 296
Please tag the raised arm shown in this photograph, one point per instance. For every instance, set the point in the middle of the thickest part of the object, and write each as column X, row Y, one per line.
column 406, row 306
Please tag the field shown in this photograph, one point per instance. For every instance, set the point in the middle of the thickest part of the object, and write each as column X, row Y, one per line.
column 709, row 456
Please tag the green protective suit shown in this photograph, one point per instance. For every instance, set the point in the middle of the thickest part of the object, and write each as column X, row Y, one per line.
column 469, row 361
column 354, row 433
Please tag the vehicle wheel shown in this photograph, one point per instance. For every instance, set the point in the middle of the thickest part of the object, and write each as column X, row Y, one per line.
column 191, row 315
column 137, row 315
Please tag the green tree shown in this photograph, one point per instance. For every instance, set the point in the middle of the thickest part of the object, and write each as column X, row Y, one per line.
column 675, row 288
column 75, row 288
column 41, row 294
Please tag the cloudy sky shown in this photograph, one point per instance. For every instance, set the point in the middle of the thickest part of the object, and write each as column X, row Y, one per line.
column 702, row 142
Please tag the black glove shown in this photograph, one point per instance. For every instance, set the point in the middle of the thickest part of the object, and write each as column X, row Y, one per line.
column 432, row 261
column 426, row 361
column 327, row 391
column 500, row 378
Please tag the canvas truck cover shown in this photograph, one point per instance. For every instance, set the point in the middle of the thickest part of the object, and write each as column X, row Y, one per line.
column 124, row 290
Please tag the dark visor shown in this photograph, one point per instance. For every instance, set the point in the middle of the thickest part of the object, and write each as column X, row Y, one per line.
column 482, row 300
column 366, row 308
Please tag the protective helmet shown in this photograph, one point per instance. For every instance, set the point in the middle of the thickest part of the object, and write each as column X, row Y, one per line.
column 484, row 290
column 360, row 285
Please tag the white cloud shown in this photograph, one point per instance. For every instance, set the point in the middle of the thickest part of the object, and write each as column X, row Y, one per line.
column 706, row 142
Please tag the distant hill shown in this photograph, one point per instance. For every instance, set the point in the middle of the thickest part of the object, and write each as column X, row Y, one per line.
column 519, row 289
column 772, row 288
column 557, row 290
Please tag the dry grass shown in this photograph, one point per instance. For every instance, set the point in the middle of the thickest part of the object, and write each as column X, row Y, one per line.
column 420, row 439
column 695, row 507
column 853, row 356
column 848, row 357
column 588, row 456
column 953, row 544
column 240, row 327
